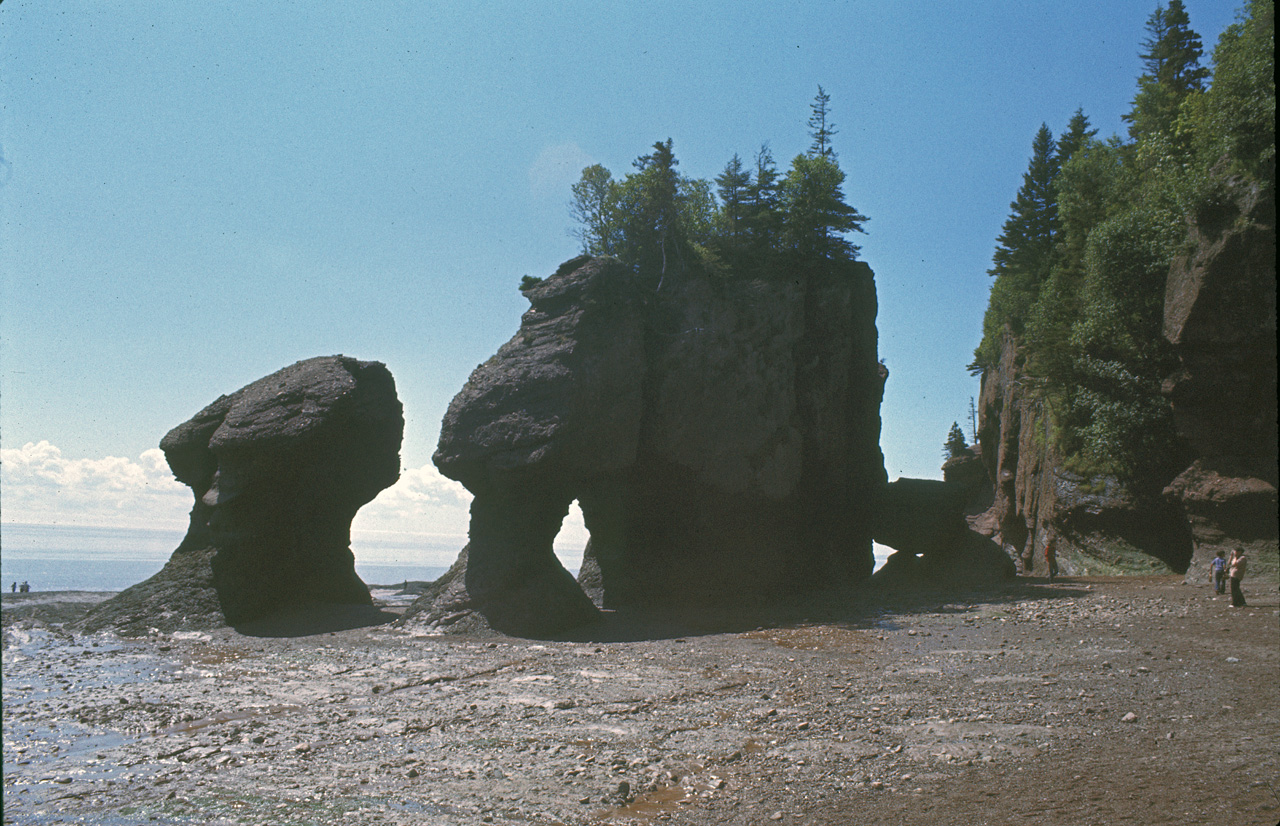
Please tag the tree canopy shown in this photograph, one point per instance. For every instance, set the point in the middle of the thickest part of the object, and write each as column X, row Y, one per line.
column 1081, row 264
column 660, row 221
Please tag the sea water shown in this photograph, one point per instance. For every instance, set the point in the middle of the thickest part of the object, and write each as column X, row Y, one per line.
column 80, row 558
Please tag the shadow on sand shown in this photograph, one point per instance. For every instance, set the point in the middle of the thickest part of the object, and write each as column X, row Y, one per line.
column 861, row 608
column 316, row 619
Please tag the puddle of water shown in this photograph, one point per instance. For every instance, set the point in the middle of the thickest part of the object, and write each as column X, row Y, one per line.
column 649, row 806
column 665, row 801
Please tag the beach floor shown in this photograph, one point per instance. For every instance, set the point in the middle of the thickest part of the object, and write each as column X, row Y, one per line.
column 1089, row 701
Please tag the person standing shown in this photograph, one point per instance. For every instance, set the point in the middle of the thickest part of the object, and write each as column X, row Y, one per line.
column 1236, row 568
column 1051, row 556
column 1218, row 572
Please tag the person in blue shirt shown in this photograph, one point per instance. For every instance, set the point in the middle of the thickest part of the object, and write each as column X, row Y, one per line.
column 1218, row 568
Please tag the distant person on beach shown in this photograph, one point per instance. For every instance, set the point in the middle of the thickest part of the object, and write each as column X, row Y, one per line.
column 1218, row 571
column 1051, row 556
column 1236, row 568
column 24, row 588
column 14, row 587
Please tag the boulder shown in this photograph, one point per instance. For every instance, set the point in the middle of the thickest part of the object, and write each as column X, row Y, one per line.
column 720, row 435
column 279, row 469
column 926, row 522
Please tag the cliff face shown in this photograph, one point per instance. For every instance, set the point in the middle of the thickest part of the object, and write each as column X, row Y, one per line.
column 720, row 436
column 1220, row 317
column 1099, row 526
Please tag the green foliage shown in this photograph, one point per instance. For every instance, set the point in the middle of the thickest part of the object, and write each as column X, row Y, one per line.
column 1173, row 72
column 1114, row 412
column 762, row 211
column 660, row 221
column 732, row 186
column 955, row 445
column 528, row 282
column 1024, row 251
column 1236, row 116
column 595, row 209
column 1081, row 271
column 815, row 215
column 1025, row 247
column 820, row 125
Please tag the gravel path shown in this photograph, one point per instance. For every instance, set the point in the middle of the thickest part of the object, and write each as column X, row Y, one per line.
column 1090, row 701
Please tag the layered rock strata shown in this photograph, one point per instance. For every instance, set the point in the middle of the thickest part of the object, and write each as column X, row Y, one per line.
column 279, row 469
column 1098, row 525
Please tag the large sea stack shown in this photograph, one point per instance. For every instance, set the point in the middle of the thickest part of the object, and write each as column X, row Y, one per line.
column 720, row 435
column 279, row 469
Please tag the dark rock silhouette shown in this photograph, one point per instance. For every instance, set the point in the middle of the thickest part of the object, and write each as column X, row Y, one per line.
column 1220, row 316
column 278, row 469
column 720, row 435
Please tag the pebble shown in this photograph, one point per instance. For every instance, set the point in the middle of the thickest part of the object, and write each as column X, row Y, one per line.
column 1129, row 717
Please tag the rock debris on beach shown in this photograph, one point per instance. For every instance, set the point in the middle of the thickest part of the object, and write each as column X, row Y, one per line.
column 1005, row 704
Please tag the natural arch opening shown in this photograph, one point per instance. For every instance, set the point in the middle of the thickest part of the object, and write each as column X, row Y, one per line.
column 571, row 541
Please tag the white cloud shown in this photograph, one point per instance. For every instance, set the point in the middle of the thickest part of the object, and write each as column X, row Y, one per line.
column 423, row 501
column 41, row 486
column 556, row 169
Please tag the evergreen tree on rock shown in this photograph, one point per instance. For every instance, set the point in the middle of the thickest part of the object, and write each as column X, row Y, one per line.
column 733, row 186
column 1172, row 71
column 1025, row 247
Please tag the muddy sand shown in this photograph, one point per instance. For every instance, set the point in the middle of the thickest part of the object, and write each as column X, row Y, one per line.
column 1088, row 701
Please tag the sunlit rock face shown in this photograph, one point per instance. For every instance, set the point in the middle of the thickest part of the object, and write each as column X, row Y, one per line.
column 1220, row 317
column 279, row 469
column 721, row 437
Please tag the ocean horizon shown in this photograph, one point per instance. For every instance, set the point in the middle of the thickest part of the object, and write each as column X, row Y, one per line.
column 96, row 558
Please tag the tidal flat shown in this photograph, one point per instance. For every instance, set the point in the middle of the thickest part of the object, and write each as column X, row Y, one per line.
column 1088, row 701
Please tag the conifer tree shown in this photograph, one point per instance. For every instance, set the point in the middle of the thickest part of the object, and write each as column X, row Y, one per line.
column 820, row 125
column 1077, row 135
column 653, row 210
column 732, row 186
column 761, row 219
column 1025, row 250
column 955, row 444
column 815, row 214
column 1171, row 60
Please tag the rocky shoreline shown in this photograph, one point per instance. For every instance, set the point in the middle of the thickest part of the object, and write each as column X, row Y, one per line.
column 1091, row 700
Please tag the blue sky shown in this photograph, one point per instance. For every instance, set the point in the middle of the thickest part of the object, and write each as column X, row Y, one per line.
column 195, row 195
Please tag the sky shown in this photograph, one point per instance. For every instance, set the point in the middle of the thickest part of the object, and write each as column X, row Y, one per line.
column 194, row 195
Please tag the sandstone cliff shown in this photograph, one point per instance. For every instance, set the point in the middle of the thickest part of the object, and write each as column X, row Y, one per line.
column 1220, row 317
